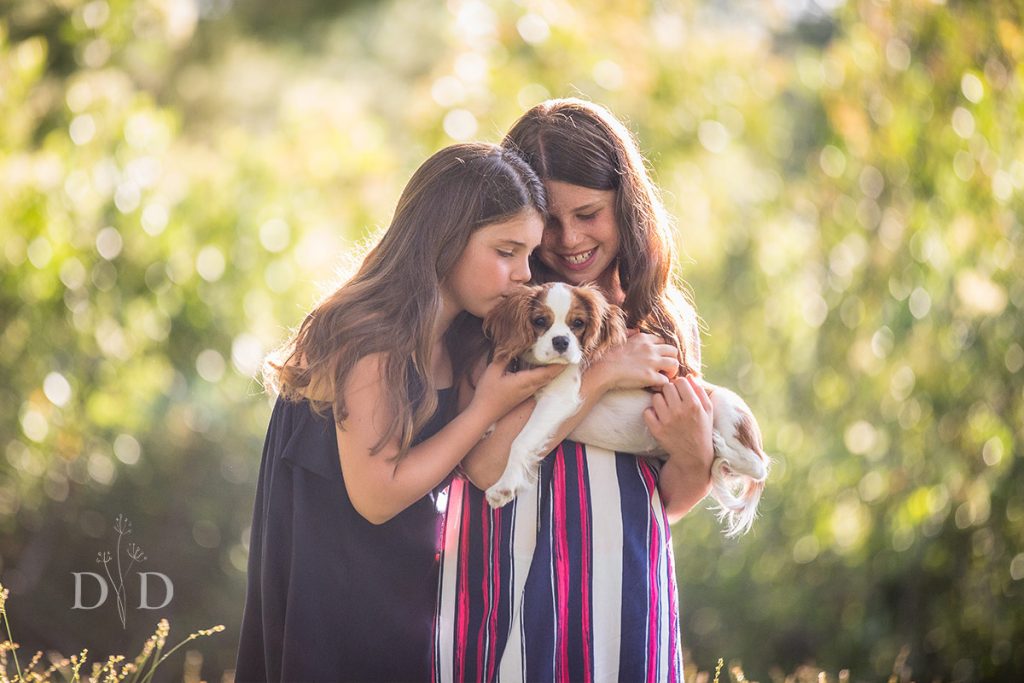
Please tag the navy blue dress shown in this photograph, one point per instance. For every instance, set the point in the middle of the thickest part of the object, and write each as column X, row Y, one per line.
column 332, row 597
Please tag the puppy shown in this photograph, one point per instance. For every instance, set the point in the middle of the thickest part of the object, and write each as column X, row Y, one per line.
column 572, row 326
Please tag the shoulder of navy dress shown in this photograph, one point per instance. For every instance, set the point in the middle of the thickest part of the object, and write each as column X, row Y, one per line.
column 312, row 441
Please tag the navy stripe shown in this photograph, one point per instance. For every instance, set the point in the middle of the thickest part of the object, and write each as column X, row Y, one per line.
column 577, row 574
column 635, row 505
column 503, row 592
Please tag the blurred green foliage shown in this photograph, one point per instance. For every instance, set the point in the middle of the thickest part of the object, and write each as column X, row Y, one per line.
column 179, row 180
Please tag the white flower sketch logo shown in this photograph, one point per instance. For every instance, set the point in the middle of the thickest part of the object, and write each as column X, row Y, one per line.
column 133, row 555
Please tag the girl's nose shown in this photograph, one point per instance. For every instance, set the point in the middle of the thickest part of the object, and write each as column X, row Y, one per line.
column 564, row 237
column 522, row 273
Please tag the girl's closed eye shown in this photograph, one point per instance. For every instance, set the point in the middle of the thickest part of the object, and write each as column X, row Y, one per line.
column 588, row 216
column 506, row 254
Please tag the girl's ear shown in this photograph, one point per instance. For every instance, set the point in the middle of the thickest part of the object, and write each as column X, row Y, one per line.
column 607, row 324
column 509, row 325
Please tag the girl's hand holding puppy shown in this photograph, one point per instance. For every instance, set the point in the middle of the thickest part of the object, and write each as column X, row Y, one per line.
column 499, row 391
column 643, row 361
column 681, row 418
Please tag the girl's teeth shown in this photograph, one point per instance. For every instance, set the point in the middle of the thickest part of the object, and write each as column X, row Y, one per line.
column 576, row 260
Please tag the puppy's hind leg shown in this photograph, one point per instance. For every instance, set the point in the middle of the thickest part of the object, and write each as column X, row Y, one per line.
column 738, row 439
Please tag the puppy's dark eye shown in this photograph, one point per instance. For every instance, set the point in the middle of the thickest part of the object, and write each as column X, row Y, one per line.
column 578, row 324
column 540, row 321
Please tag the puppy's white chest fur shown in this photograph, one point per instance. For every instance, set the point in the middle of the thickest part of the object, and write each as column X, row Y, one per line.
column 562, row 390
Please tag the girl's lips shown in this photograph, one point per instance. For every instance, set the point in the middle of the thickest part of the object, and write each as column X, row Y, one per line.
column 582, row 265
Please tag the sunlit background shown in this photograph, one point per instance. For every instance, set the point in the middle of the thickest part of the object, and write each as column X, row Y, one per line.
column 180, row 179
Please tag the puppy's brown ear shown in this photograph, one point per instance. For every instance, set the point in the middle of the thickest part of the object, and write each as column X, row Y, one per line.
column 607, row 322
column 613, row 329
column 509, row 325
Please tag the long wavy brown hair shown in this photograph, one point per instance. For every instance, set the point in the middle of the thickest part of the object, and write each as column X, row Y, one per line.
column 392, row 302
column 582, row 143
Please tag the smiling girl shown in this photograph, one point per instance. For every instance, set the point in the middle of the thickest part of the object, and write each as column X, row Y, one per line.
column 575, row 579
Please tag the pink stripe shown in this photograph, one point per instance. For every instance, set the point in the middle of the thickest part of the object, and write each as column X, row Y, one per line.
column 588, row 675
column 673, row 615
column 561, row 570
column 495, row 582
column 652, row 609
column 461, row 635
column 486, row 593
column 435, row 627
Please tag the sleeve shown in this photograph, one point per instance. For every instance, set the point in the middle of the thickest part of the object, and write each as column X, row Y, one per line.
column 251, row 663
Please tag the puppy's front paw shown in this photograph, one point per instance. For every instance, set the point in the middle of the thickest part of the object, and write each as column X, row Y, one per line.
column 512, row 481
column 500, row 494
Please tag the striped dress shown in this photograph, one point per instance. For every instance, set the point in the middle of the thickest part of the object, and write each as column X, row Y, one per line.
column 573, row 580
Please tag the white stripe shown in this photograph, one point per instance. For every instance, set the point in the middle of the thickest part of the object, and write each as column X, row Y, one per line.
column 606, row 546
column 524, row 542
column 444, row 647
column 677, row 655
column 513, row 640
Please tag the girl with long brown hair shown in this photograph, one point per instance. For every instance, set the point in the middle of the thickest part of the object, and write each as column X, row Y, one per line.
column 574, row 580
column 366, row 431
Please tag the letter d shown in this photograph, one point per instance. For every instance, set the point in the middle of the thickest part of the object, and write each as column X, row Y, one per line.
column 78, row 590
column 143, row 583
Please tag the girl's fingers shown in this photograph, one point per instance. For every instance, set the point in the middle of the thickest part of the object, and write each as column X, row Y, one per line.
column 539, row 376
column 669, row 365
column 552, row 370
column 498, row 366
column 644, row 338
column 670, row 393
column 659, row 406
column 700, row 392
column 687, row 393
column 658, row 380
column 525, row 380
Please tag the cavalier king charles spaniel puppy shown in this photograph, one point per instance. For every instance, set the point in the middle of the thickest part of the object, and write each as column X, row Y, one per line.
column 560, row 323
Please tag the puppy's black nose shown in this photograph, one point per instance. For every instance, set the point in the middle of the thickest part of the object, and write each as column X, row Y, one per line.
column 560, row 344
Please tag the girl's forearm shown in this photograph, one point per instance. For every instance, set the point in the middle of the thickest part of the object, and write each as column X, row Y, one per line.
column 681, row 486
column 424, row 467
column 486, row 461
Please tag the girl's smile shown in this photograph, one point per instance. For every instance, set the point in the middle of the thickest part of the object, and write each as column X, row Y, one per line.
column 580, row 260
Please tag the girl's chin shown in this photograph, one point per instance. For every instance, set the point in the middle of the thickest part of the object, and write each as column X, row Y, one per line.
column 482, row 310
column 573, row 278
